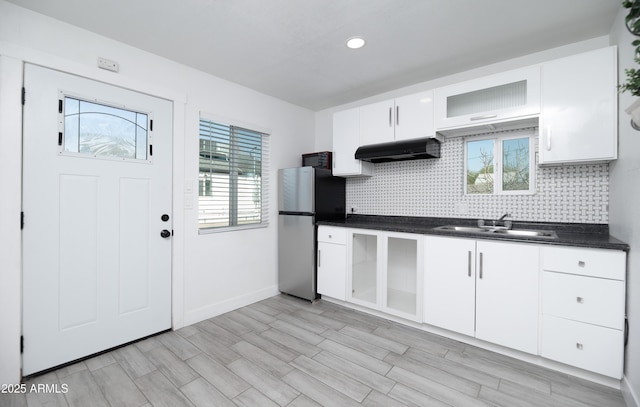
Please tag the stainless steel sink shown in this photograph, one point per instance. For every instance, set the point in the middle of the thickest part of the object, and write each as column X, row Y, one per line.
column 543, row 234
column 467, row 229
column 547, row 234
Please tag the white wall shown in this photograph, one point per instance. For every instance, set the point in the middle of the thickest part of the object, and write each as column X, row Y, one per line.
column 211, row 273
column 624, row 217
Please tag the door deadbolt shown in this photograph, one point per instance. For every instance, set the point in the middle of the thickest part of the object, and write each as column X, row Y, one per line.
column 164, row 217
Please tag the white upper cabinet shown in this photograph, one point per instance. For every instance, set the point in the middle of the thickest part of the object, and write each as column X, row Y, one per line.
column 377, row 124
column 346, row 140
column 404, row 118
column 579, row 108
column 504, row 96
column 414, row 116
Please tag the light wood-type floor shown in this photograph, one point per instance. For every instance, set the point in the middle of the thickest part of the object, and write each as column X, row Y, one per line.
column 288, row 352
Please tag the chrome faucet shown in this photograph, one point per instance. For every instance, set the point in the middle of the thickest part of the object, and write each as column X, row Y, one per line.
column 507, row 223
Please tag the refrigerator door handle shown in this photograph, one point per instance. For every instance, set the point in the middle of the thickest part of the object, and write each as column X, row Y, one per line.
column 319, row 257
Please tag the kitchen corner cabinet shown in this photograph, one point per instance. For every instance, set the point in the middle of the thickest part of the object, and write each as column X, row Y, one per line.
column 385, row 272
column 484, row 289
column 346, row 140
column 583, row 303
column 579, row 117
column 332, row 262
column 404, row 118
column 499, row 97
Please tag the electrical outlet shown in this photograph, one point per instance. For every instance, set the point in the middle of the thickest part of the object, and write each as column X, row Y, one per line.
column 108, row 64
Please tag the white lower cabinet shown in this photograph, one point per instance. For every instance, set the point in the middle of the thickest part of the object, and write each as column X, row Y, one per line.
column 507, row 292
column 403, row 275
column 450, row 284
column 563, row 303
column 362, row 275
column 385, row 272
column 332, row 262
column 583, row 302
column 582, row 345
column 484, row 289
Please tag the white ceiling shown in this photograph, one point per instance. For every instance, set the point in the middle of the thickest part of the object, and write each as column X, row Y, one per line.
column 295, row 49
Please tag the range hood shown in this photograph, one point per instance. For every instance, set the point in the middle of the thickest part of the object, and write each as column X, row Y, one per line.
column 417, row 149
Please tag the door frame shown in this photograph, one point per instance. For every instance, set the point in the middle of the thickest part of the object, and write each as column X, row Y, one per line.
column 94, row 220
column 12, row 60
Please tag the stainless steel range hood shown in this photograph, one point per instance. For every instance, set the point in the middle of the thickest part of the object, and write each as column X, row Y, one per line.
column 417, row 149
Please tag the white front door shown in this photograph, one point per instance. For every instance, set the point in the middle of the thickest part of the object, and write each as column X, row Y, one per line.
column 96, row 198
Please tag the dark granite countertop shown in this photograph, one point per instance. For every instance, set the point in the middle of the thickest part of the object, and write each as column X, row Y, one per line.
column 569, row 234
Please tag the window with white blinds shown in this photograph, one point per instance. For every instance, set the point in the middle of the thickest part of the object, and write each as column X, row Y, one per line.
column 233, row 177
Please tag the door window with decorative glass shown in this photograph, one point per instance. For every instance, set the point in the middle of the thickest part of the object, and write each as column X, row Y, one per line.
column 97, row 130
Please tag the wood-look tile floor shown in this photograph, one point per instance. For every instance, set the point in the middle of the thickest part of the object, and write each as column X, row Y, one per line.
column 287, row 352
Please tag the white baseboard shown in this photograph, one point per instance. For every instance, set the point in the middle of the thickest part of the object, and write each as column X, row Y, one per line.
column 630, row 397
column 212, row 310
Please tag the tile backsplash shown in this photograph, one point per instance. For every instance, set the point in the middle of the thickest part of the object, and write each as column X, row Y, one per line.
column 572, row 193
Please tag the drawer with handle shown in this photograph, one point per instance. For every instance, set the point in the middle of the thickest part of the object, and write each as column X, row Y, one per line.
column 587, row 262
column 329, row 234
column 586, row 346
column 593, row 300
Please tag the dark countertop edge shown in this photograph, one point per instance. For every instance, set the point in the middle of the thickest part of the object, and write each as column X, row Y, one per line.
column 569, row 234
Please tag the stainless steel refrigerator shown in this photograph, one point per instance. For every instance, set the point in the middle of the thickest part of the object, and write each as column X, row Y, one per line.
column 305, row 195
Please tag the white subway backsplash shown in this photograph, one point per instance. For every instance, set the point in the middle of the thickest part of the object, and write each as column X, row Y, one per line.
column 572, row 193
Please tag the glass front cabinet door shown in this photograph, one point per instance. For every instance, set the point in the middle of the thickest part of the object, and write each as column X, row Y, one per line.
column 364, row 268
column 385, row 272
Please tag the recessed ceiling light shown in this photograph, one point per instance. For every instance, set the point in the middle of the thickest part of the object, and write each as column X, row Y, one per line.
column 355, row 42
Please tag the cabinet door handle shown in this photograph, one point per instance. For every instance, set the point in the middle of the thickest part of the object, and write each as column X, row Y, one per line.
column 579, row 346
column 581, row 263
column 390, row 113
column 488, row 116
column 548, row 138
column 319, row 257
column 469, row 272
column 397, row 115
column 480, row 266
column 580, row 300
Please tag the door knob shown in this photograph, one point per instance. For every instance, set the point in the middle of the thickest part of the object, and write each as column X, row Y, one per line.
column 165, row 233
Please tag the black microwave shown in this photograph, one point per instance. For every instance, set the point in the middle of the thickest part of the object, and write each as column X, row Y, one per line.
column 321, row 159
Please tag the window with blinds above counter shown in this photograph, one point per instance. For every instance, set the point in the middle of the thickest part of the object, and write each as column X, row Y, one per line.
column 233, row 177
